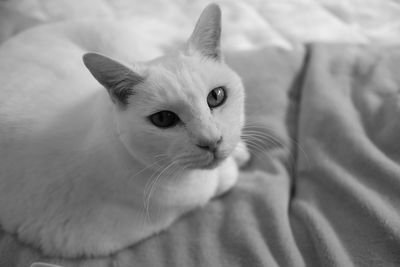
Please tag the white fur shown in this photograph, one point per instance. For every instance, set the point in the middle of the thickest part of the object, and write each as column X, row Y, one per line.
column 76, row 170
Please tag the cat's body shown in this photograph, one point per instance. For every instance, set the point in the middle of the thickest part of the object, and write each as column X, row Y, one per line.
column 80, row 173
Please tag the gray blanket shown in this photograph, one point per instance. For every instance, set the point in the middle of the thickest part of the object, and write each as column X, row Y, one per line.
column 323, row 185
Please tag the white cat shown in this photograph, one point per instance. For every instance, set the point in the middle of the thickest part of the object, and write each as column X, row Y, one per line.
column 89, row 171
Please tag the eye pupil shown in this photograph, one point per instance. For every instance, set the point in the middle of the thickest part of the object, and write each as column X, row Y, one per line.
column 161, row 117
column 216, row 97
column 164, row 119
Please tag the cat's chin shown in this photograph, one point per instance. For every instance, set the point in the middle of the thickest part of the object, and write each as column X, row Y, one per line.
column 213, row 163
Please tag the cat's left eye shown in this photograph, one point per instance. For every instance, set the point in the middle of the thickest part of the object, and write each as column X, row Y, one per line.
column 216, row 97
column 164, row 119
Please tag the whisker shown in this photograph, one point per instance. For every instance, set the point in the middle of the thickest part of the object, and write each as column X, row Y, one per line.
column 254, row 141
column 261, row 152
column 147, row 198
column 146, row 189
column 189, row 161
column 261, row 156
column 261, row 140
column 254, row 124
column 261, row 133
column 180, row 168
column 161, row 157
column 148, row 167
column 254, row 130
column 254, row 144
column 171, row 173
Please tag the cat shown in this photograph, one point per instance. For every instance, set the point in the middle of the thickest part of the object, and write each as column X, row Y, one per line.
column 124, row 149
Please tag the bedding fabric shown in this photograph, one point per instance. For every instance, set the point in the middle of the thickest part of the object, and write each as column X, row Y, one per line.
column 324, row 192
column 247, row 23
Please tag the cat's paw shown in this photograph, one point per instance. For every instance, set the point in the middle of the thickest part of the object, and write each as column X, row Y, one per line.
column 241, row 154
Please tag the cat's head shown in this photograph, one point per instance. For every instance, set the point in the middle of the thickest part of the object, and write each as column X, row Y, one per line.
column 186, row 108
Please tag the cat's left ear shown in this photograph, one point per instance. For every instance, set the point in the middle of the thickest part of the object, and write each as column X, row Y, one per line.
column 118, row 79
column 207, row 33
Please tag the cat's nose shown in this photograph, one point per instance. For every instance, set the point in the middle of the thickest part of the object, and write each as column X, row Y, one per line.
column 210, row 145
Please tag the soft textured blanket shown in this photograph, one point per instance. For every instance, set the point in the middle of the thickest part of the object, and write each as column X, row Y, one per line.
column 324, row 192
column 247, row 22
column 346, row 205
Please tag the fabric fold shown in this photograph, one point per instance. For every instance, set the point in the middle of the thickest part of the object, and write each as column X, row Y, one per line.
column 350, row 178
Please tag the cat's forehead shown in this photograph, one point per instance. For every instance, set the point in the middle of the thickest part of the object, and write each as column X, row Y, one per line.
column 184, row 80
column 183, row 70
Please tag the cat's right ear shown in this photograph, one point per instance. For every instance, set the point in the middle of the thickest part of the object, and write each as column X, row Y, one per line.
column 207, row 33
column 118, row 79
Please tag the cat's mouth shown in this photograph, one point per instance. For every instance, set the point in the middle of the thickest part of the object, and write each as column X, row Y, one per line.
column 214, row 160
column 206, row 161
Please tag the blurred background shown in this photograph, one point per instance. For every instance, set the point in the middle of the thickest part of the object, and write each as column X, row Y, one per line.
column 248, row 23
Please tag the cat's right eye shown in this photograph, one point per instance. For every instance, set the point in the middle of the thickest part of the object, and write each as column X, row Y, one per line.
column 216, row 97
column 164, row 119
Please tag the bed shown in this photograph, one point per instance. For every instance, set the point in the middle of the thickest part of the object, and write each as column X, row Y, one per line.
column 322, row 82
